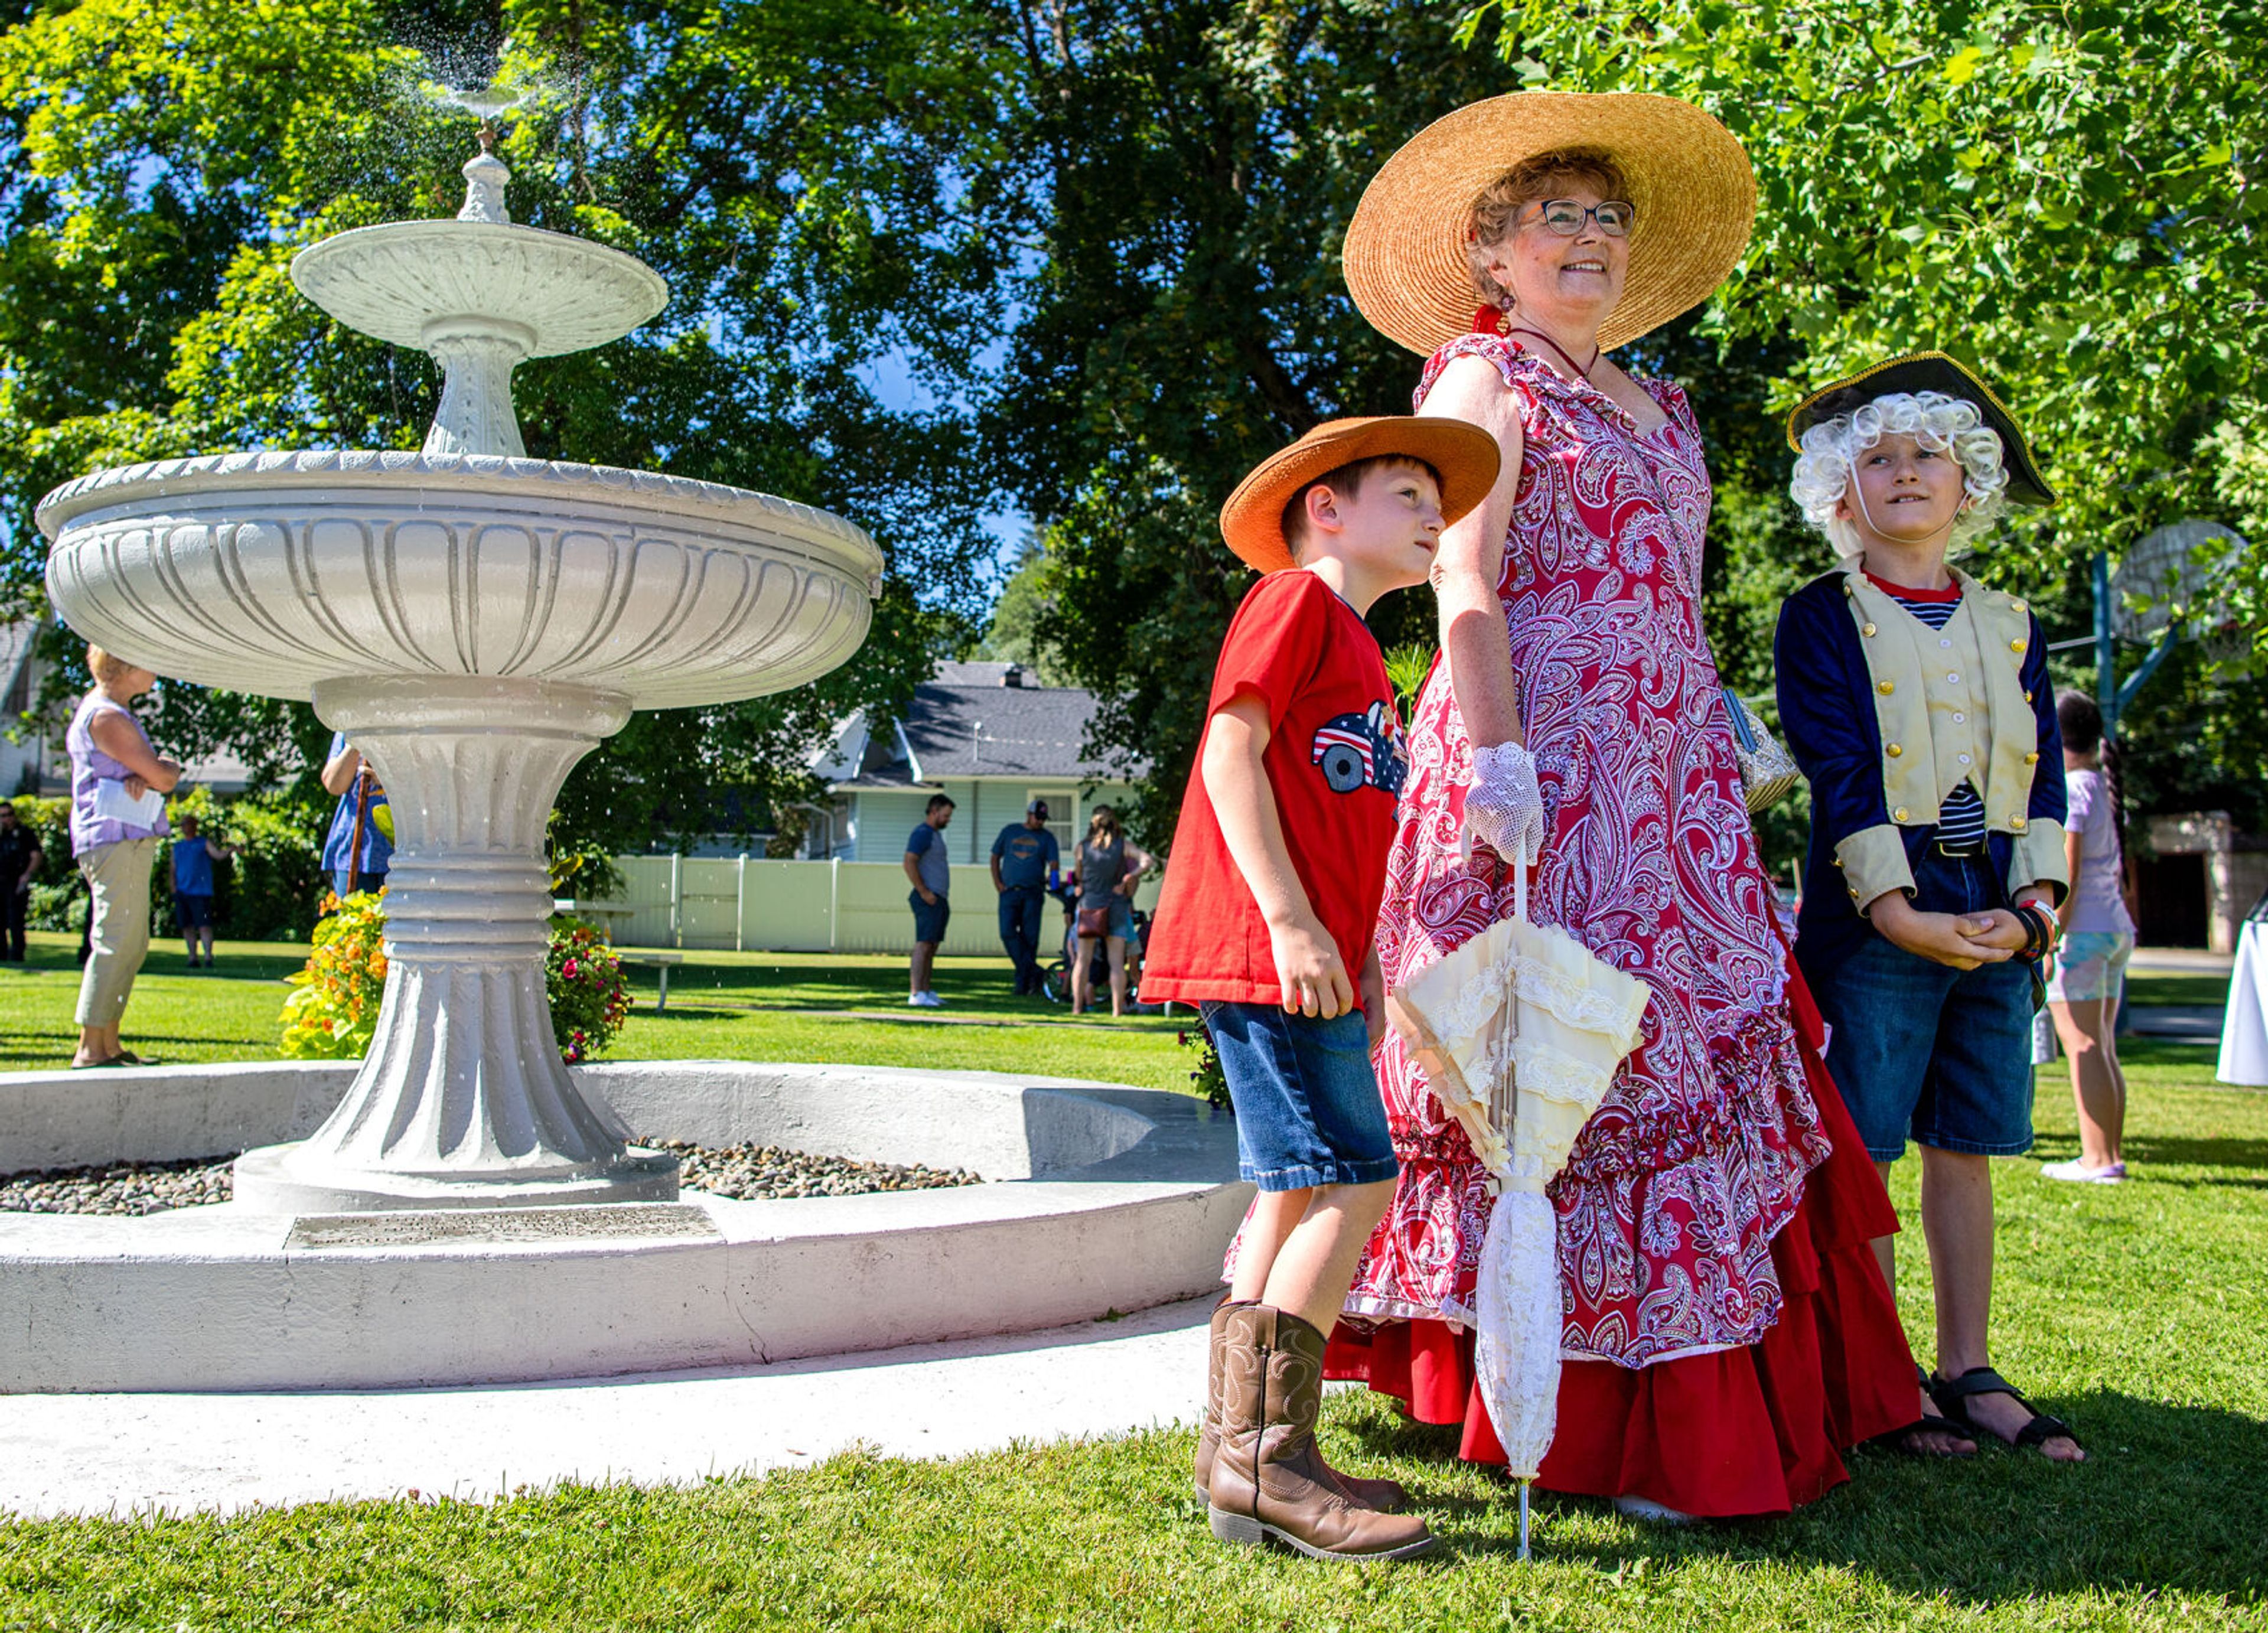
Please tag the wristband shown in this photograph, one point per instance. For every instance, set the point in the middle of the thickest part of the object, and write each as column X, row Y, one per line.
column 2038, row 938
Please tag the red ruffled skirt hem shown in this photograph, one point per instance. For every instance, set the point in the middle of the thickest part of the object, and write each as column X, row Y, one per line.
column 1758, row 1430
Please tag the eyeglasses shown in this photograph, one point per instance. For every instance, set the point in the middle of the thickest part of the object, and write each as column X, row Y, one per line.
column 1566, row 216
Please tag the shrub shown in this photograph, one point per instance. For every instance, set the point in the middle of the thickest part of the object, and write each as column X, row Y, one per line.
column 1211, row 1081
column 590, row 1000
column 333, row 1012
column 271, row 889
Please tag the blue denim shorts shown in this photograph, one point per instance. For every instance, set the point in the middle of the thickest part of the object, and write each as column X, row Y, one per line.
column 930, row 918
column 1307, row 1106
column 1920, row 1047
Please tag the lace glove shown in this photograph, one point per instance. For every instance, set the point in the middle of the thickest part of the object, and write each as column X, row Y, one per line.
column 1504, row 807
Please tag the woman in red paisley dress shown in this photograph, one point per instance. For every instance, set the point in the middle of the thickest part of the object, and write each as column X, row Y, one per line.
column 1725, row 1331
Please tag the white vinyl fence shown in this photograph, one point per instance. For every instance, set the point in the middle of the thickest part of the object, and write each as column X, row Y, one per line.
column 751, row 904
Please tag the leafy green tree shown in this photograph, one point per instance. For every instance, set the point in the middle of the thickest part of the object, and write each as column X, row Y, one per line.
column 1189, row 169
column 783, row 166
column 2061, row 194
column 1025, row 600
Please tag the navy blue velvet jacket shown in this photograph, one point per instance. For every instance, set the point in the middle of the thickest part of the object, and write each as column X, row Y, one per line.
column 1827, row 717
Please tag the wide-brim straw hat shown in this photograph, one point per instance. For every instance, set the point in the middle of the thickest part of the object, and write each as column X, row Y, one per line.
column 1928, row 370
column 1689, row 176
column 1465, row 460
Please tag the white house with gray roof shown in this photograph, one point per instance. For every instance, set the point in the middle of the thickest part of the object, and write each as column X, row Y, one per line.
column 981, row 734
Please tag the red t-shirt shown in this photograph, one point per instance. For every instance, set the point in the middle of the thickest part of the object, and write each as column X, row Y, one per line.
column 1336, row 762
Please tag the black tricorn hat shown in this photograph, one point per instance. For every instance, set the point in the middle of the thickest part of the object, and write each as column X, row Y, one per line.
column 1927, row 371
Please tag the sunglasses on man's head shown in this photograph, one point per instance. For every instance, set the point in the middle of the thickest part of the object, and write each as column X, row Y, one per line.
column 1566, row 216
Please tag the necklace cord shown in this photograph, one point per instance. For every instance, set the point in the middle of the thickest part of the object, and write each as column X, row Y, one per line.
column 1582, row 371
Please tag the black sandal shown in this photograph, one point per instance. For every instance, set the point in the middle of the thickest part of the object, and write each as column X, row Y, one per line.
column 1928, row 1423
column 1952, row 1395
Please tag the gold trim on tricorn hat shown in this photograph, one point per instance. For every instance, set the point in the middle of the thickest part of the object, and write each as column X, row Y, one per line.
column 1927, row 371
column 1688, row 177
column 1463, row 456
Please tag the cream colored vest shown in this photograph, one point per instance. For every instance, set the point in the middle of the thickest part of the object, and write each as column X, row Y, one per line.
column 1950, row 703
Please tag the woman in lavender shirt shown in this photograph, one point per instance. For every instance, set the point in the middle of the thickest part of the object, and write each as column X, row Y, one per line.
column 2098, row 938
column 115, row 849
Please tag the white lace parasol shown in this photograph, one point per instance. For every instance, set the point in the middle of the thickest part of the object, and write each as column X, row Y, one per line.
column 1519, row 1032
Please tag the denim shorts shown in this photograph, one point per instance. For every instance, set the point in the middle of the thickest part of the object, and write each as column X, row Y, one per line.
column 1121, row 920
column 1307, row 1106
column 2089, row 964
column 930, row 920
column 1920, row 1047
column 193, row 912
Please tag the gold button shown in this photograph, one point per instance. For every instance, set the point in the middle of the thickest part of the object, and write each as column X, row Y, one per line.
column 1885, row 688
column 2017, row 825
column 2020, row 606
column 1846, row 586
column 2016, row 646
column 2027, row 697
column 2032, row 758
column 1838, row 861
column 1893, row 751
column 1866, row 629
column 1898, row 815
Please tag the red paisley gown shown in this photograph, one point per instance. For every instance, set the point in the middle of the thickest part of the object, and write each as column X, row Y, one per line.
column 1726, row 1329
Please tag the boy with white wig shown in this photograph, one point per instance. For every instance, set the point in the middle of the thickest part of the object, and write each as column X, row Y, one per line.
column 1916, row 702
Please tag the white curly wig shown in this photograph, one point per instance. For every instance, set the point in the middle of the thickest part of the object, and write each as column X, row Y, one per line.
column 1823, row 472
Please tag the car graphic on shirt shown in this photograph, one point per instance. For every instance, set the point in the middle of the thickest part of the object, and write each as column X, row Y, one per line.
column 1364, row 750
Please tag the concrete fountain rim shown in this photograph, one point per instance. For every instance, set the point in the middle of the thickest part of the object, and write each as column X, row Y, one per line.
column 220, row 1298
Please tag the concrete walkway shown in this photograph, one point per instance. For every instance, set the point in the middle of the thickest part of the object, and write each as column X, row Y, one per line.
column 76, row 1455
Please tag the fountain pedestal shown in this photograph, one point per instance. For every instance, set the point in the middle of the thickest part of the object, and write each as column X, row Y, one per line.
column 463, row 1100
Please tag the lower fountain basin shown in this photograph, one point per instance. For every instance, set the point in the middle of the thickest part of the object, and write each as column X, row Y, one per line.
column 1102, row 1198
column 270, row 572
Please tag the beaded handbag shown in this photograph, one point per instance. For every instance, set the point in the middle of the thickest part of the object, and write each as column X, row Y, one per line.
column 1768, row 773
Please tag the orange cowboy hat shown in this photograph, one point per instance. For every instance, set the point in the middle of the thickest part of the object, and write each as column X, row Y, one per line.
column 1464, row 458
column 1689, row 179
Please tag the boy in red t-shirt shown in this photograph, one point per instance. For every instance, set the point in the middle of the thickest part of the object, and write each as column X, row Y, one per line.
column 1266, row 924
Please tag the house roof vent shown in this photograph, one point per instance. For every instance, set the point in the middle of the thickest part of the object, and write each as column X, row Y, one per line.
column 1013, row 675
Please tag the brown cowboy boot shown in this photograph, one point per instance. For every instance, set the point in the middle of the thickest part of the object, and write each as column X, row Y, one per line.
column 1388, row 1496
column 1267, row 1480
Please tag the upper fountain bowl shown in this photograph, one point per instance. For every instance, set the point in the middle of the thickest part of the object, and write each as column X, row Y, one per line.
column 412, row 283
column 272, row 572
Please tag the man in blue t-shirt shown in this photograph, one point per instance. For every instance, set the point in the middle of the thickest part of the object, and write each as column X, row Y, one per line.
column 193, row 856
column 931, row 874
column 1023, row 856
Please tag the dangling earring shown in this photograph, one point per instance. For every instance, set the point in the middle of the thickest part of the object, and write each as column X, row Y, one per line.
column 1504, row 316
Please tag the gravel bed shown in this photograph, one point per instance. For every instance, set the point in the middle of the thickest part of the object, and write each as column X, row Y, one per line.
column 758, row 1173
column 750, row 1172
column 120, row 1188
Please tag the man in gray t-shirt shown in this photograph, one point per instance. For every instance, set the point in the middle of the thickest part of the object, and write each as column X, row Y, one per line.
column 931, row 876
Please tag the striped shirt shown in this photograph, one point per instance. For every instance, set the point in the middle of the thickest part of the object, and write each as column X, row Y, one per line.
column 1961, row 814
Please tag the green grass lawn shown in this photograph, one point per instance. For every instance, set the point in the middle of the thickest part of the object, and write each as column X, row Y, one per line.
column 782, row 1007
column 2137, row 1311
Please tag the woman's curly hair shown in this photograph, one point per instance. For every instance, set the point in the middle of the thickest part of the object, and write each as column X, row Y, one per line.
column 1825, row 469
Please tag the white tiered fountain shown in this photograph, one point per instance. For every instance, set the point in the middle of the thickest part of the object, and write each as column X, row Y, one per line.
column 476, row 622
